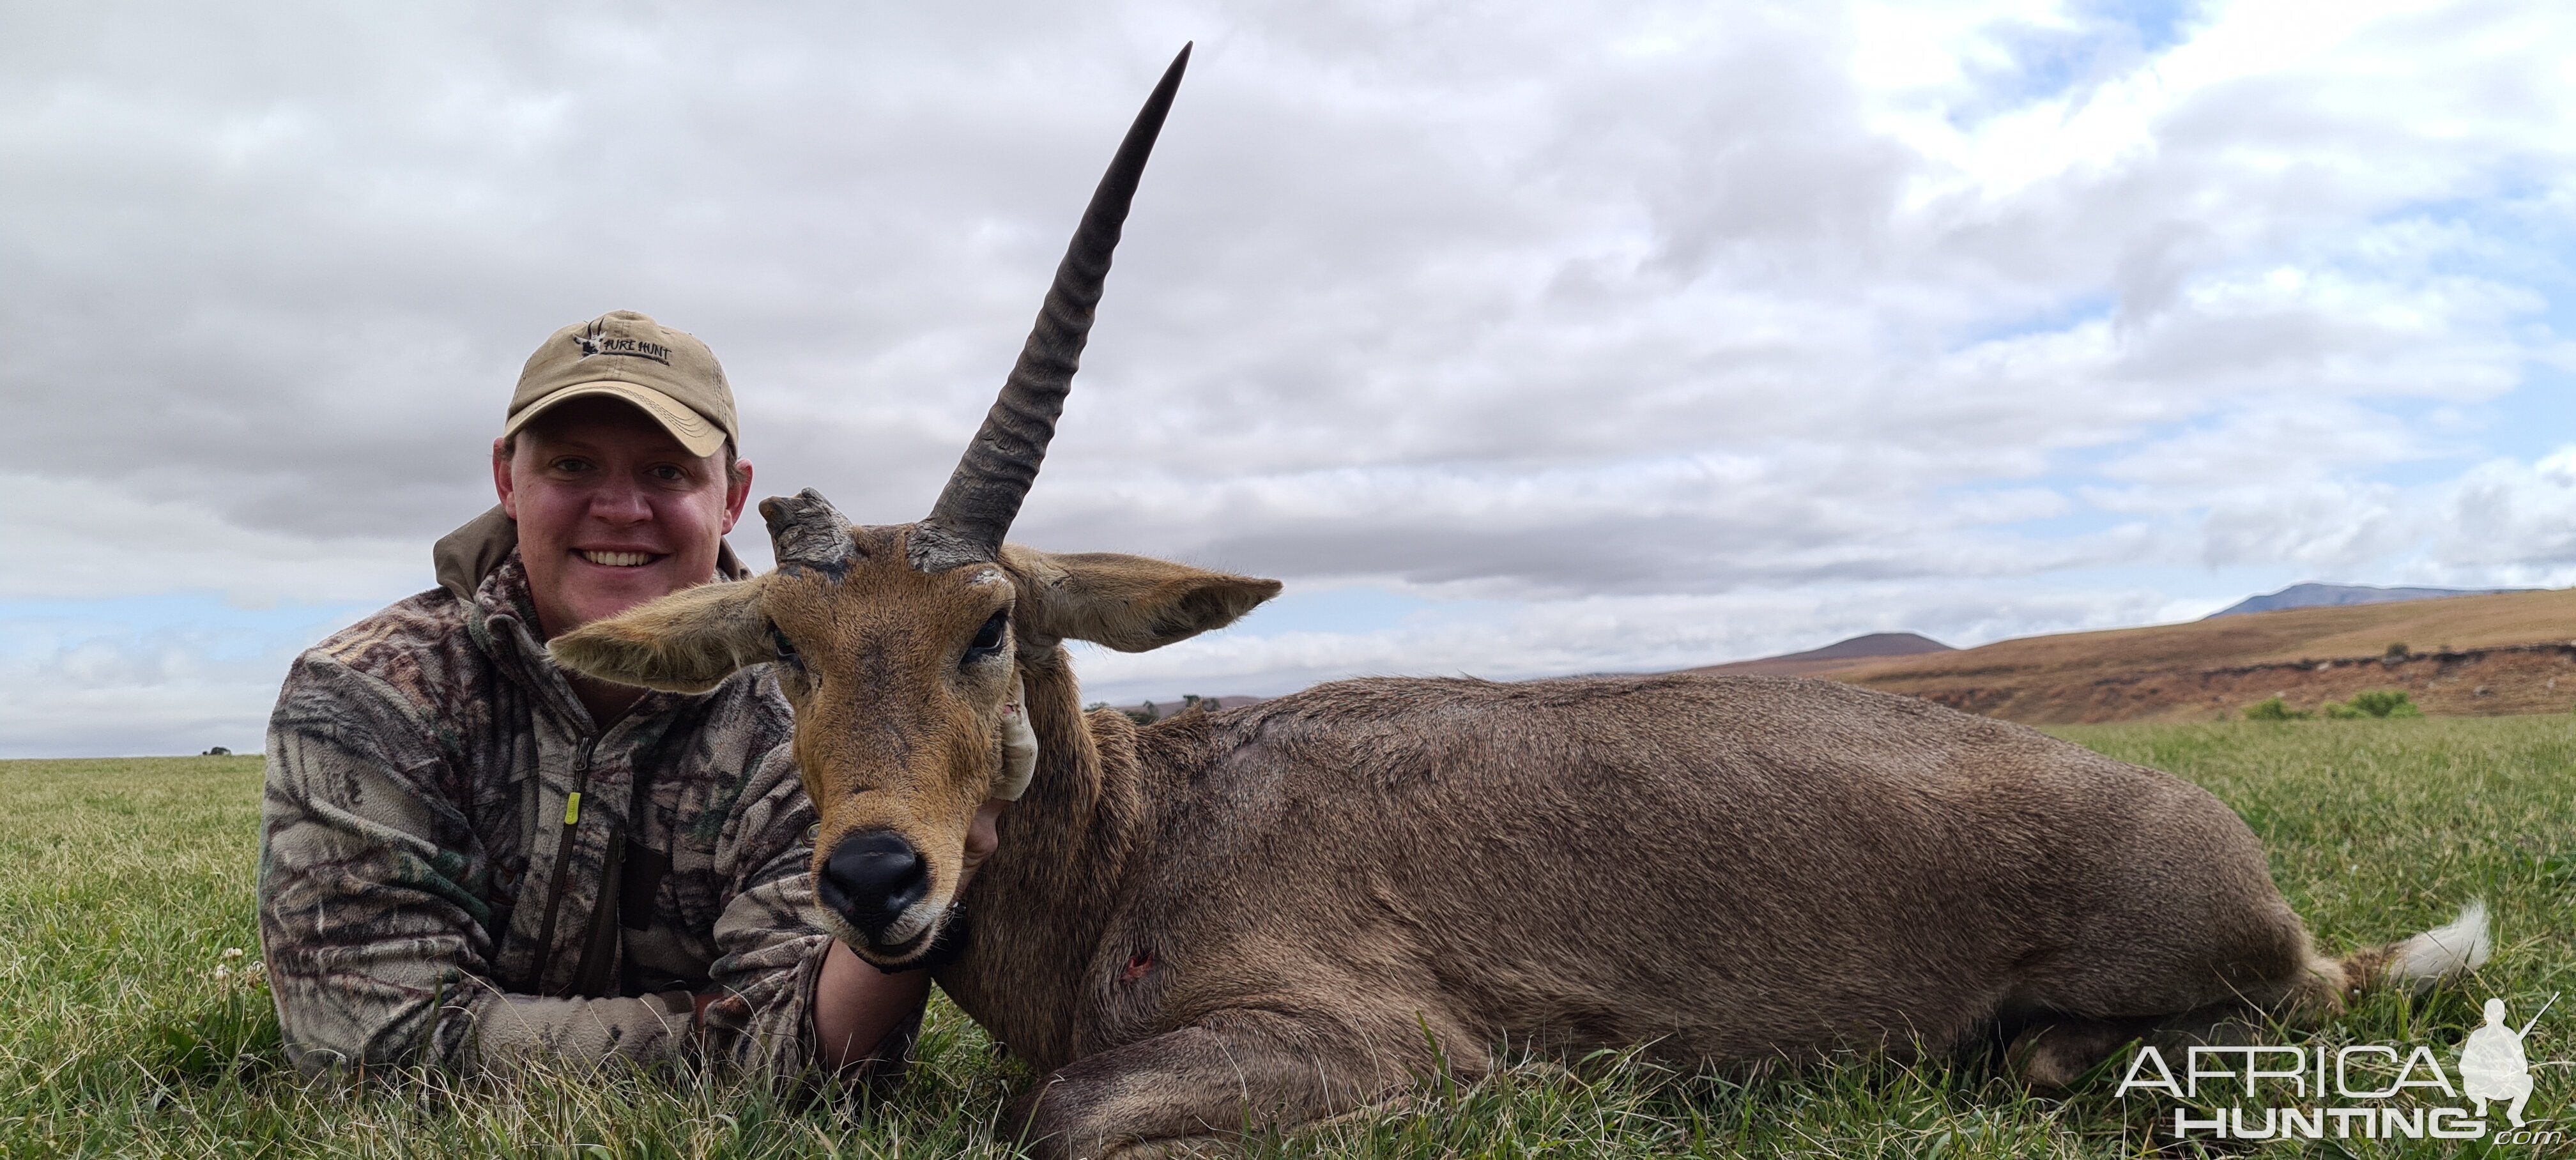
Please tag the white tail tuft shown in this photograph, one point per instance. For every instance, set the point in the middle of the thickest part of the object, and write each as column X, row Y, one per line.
column 2444, row 951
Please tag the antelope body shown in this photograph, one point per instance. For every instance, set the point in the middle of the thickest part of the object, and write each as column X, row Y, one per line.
column 1265, row 916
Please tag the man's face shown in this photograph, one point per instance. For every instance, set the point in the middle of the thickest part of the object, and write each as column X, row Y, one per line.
column 612, row 510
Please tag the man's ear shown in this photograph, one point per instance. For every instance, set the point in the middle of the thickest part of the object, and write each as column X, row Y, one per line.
column 686, row 642
column 1129, row 603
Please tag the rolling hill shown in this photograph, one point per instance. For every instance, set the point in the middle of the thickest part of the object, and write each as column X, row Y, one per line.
column 2470, row 655
column 2326, row 595
column 1842, row 654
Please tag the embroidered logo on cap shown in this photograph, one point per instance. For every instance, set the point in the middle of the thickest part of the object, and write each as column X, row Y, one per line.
column 597, row 341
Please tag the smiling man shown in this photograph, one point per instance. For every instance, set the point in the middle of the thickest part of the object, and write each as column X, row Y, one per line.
column 471, row 859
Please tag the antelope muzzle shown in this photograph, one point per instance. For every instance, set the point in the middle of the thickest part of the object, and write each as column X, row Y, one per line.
column 875, row 882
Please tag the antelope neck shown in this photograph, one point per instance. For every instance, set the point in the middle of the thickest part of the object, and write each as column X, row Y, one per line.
column 1095, row 811
column 1040, row 906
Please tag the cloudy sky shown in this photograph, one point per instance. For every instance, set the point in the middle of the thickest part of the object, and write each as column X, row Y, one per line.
column 1518, row 339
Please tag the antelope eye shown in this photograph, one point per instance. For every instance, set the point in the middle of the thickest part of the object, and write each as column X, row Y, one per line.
column 988, row 639
column 787, row 654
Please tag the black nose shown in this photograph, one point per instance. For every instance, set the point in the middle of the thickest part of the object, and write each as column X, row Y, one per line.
column 871, row 878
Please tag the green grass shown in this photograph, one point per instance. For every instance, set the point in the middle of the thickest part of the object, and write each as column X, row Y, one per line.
column 122, row 883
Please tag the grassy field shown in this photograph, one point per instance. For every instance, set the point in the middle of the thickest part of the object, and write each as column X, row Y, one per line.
column 124, row 1029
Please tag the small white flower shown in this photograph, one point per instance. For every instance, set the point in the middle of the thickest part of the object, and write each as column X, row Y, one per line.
column 231, row 953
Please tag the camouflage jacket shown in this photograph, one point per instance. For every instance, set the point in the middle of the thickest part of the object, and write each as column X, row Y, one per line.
column 459, row 867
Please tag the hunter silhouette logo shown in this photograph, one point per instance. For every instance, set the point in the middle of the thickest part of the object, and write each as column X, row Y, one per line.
column 597, row 340
column 2493, row 1067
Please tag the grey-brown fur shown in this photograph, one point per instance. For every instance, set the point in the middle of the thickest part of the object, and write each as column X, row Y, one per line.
column 1274, row 914
column 1731, row 869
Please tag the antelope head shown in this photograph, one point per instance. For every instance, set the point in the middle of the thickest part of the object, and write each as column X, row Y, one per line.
column 902, row 647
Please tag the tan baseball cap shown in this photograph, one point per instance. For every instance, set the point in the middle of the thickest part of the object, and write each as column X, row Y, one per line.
column 669, row 374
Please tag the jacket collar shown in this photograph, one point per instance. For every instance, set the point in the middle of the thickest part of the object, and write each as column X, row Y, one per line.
column 501, row 617
column 501, row 614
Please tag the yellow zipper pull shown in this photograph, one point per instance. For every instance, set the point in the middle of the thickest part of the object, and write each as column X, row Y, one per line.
column 572, row 808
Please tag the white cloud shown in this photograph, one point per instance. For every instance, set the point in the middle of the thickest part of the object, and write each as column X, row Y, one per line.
column 1663, row 327
column 72, row 540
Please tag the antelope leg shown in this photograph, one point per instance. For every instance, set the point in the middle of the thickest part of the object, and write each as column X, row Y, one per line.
column 1231, row 1073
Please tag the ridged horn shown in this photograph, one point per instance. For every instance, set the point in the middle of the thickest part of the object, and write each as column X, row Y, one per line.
column 983, row 495
column 806, row 531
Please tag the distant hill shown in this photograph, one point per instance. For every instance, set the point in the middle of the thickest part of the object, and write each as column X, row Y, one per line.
column 2513, row 652
column 1838, row 655
column 2341, row 595
column 1161, row 709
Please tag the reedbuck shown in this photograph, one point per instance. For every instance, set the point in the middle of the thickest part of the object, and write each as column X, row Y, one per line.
column 1257, row 918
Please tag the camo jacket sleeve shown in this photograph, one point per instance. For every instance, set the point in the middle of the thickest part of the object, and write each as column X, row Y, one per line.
column 410, row 833
column 377, row 908
column 771, row 954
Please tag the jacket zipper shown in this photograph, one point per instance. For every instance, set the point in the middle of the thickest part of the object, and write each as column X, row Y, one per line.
column 563, row 864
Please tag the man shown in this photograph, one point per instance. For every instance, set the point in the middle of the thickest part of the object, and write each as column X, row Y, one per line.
column 471, row 859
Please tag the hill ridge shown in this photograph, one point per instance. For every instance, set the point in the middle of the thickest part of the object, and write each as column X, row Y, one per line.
column 2318, row 595
column 1840, row 654
column 2509, row 652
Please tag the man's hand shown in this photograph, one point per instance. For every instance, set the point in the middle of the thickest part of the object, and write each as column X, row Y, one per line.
column 856, row 1005
column 983, row 835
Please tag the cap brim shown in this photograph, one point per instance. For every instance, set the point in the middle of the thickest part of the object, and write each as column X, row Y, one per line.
column 702, row 438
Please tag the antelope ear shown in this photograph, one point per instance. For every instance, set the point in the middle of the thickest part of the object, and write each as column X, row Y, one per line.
column 686, row 642
column 1129, row 603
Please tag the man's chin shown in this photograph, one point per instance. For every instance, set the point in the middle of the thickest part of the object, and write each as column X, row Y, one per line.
column 597, row 592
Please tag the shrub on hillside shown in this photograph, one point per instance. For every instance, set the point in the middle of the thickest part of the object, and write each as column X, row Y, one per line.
column 2377, row 703
column 2274, row 709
